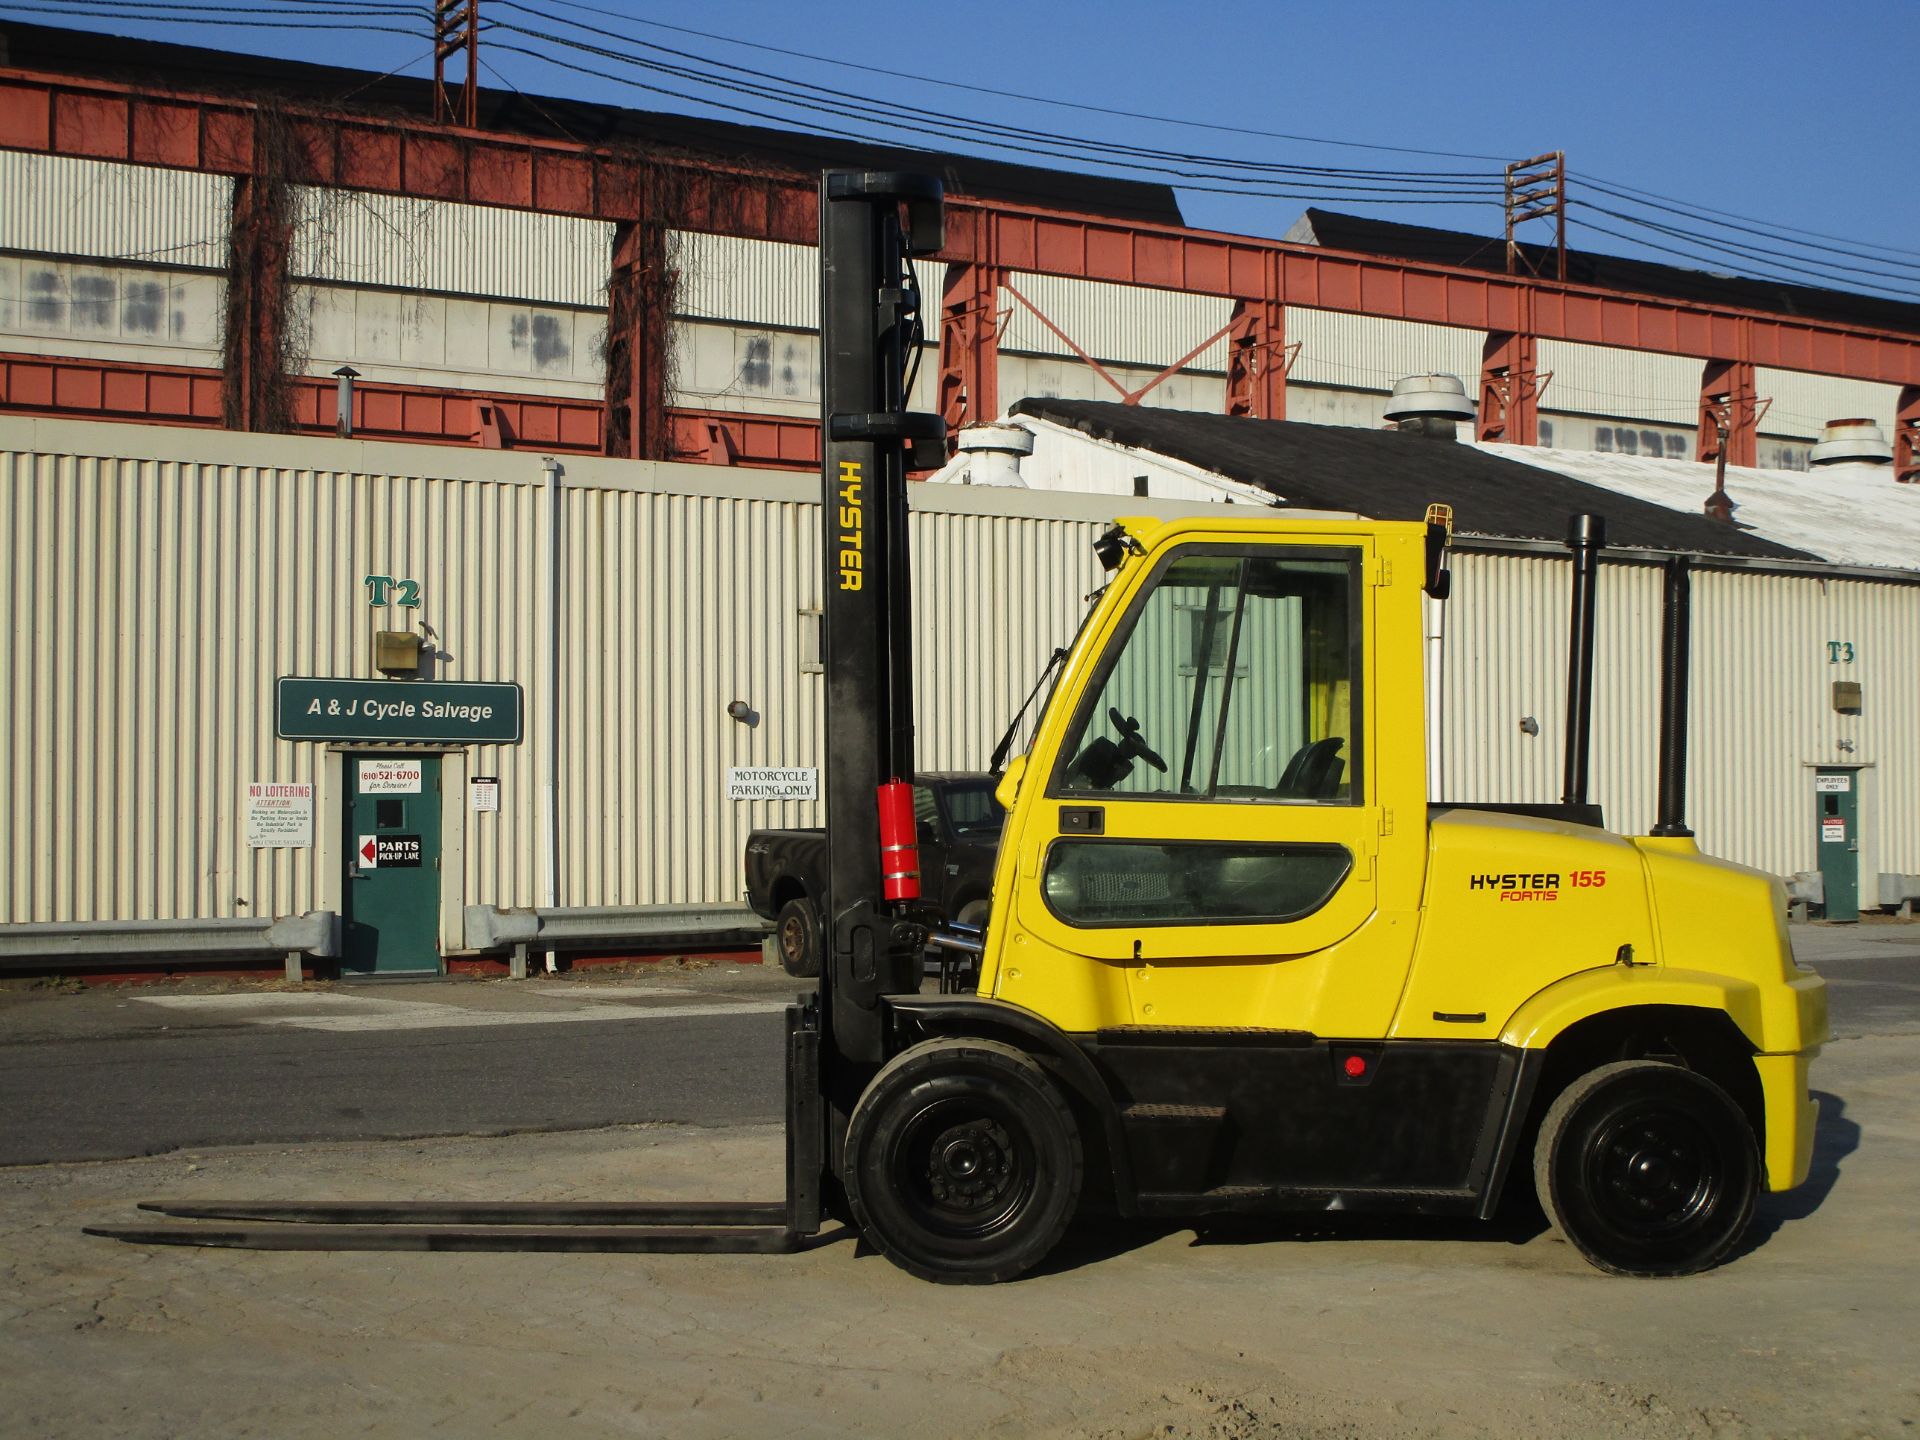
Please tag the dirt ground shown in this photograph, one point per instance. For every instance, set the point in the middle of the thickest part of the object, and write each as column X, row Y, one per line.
column 1368, row 1329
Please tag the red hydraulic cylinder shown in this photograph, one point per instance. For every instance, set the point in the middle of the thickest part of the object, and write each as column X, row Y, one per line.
column 899, row 842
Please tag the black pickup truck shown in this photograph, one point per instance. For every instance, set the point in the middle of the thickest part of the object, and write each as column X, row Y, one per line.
column 959, row 833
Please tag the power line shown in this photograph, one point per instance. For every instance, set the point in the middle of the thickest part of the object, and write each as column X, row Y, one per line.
column 1706, row 210
column 1744, row 252
column 778, row 87
column 1765, row 234
column 1030, row 99
column 1014, row 139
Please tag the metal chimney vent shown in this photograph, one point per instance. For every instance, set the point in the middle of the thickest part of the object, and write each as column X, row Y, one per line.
column 1429, row 404
column 1860, row 441
column 994, row 453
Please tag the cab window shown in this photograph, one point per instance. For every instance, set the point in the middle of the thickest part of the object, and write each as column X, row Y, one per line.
column 1236, row 678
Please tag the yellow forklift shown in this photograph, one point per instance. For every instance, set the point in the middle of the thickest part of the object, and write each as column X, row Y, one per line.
column 1238, row 959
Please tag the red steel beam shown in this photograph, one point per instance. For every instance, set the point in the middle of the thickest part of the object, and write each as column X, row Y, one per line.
column 1906, row 437
column 101, row 119
column 92, row 389
column 180, row 395
column 1510, row 389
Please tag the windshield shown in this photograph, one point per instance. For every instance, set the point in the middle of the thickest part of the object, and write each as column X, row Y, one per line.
column 972, row 812
column 1051, row 669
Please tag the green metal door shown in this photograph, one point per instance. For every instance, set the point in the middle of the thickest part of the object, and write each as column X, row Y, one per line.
column 392, row 886
column 1837, row 808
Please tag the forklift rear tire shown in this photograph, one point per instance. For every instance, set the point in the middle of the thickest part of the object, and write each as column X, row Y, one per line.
column 963, row 1162
column 796, row 932
column 1647, row 1169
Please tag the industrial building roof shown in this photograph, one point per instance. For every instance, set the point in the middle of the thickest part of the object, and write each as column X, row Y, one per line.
column 1608, row 272
column 1852, row 514
column 1395, row 475
column 224, row 72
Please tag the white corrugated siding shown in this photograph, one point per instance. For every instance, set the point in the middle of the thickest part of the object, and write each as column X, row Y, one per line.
column 1368, row 352
column 1627, row 384
column 769, row 282
column 152, row 600
column 396, row 242
column 158, row 581
column 1762, row 711
column 1131, row 325
column 100, row 210
column 1803, row 403
column 1506, row 659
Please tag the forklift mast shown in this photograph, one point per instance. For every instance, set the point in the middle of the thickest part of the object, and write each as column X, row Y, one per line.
column 871, row 224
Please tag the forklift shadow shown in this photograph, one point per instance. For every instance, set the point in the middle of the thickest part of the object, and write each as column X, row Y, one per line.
column 1093, row 1241
column 1835, row 1138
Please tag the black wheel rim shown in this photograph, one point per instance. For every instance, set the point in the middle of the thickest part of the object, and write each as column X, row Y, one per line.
column 1654, row 1173
column 964, row 1169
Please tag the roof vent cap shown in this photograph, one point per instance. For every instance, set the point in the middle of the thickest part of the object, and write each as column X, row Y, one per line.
column 1861, row 441
column 993, row 453
column 1419, row 396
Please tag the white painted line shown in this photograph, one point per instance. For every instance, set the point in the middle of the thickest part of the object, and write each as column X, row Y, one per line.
column 266, row 999
column 451, row 1017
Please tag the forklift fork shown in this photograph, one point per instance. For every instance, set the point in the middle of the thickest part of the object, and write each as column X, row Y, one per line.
column 698, row 1227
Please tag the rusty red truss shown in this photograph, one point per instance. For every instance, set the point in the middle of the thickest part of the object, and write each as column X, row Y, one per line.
column 992, row 241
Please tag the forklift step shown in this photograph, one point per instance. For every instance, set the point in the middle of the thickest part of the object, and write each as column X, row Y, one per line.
column 1174, row 1114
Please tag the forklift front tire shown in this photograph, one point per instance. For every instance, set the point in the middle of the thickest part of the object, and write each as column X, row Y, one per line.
column 796, row 932
column 963, row 1162
column 1647, row 1169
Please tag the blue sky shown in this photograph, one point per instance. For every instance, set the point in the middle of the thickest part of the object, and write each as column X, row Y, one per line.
column 1784, row 113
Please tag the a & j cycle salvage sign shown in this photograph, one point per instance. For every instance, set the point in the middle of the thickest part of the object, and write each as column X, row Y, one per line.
column 424, row 711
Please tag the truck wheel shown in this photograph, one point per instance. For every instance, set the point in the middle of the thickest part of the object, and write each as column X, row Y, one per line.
column 963, row 1162
column 1647, row 1169
column 797, row 934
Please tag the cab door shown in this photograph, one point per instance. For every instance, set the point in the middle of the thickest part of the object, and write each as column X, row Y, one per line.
column 1209, row 834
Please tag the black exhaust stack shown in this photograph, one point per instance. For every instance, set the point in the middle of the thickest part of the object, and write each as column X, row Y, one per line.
column 1585, row 536
column 1676, row 656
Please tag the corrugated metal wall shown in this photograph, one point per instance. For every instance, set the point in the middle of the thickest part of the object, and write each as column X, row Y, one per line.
column 357, row 237
column 1762, row 716
column 1127, row 324
column 1506, row 660
column 1762, row 672
column 767, row 282
column 1627, row 384
column 1368, row 352
column 99, row 210
column 1803, row 403
column 158, row 581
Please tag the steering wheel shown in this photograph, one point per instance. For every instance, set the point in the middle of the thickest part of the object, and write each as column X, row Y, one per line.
column 1130, row 742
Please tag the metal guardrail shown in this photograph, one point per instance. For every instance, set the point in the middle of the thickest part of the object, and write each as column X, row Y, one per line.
column 98, row 944
column 1899, row 891
column 601, row 927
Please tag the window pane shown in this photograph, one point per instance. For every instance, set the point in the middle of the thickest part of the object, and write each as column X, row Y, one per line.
column 1234, row 680
column 1125, row 882
column 974, row 813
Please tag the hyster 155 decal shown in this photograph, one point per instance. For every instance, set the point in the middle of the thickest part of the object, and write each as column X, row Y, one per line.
column 1542, row 886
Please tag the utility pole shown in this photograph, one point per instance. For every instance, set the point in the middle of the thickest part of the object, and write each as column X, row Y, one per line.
column 1537, row 189
column 456, row 27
